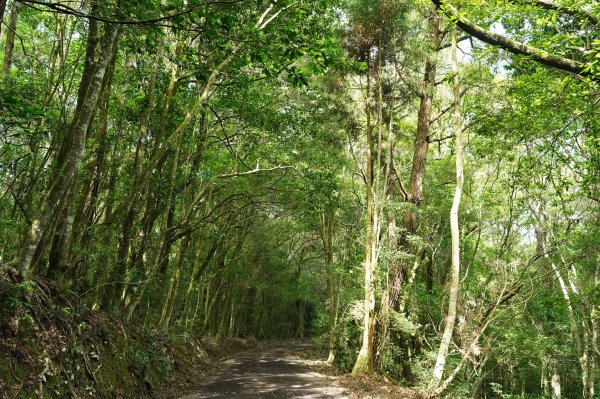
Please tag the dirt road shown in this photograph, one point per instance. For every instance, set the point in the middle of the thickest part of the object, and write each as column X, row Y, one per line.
column 271, row 373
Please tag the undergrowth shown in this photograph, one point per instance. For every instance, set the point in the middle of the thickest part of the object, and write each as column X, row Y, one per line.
column 53, row 347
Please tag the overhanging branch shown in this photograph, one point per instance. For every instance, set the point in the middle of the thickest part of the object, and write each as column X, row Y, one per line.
column 581, row 14
column 59, row 7
column 514, row 46
column 254, row 171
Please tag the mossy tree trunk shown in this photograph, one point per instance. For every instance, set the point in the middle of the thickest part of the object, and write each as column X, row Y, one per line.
column 73, row 145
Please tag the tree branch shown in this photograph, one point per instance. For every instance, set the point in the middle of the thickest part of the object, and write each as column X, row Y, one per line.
column 460, row 39
column 515, row 47
column 65, row 9
column 255, row 170
column 399, row 178
column 430, row 140
column 580, row 14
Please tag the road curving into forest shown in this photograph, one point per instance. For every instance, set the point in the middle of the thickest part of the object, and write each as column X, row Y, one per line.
column 268, row 373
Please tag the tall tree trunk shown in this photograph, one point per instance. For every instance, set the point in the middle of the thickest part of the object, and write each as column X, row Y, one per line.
column 2, row 8
column 90, row 190
column 138, row 188
column 9, row 44
column 60, row 267
column 582, row 348
column 595, row 321
column 583, row 339
column 398, row 270
column 327, row 229
column 555, row 384
column 57, row 259
column 167, row 311
column 544, row 383
column 300, row 321
column 198, row 269
column 419, row 161
column 454, row 226
column 142, row 178
column 162, row 260
column 364, row 361
column 67, row 166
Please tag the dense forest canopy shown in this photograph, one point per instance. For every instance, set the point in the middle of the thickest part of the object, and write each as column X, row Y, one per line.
column 416, row 181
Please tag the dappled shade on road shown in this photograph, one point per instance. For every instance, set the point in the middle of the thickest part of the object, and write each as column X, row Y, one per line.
column 273, row 373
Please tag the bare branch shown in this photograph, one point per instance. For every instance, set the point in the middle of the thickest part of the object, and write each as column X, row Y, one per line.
column 254, row 171
column 62, row 8
column 430, row 140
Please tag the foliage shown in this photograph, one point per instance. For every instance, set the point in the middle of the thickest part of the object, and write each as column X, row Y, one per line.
column 220, row 148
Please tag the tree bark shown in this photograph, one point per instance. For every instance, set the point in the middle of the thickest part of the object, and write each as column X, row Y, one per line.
column 398, row 270
column 54, row 196
column 9, row 44
column 167, row 311
column 515, row 47
column 454, row 226
column 555, row 384
column 2, row 8
column 419, row 160
column 327, row 229
column 364, row 361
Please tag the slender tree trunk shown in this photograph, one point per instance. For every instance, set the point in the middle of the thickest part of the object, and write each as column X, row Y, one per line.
column 88, row 197
column 206, row 299
column 60, row 265
column 248, row 330
column 219, row 282
column 60, row 157
column 2, row 8
column 228, row 309
column 364, row 361
column 582, row 347
column 232, row 316
column 327, row 229
column 163, row 251
column 555, row 384
column 300, row 322
column 398, row 271
column 587, row 359
column 139, row 186
column 142, row 181
column 454, row 226
column 57, row 259
column 167, row 312
column 9, row 44
column 419, row 161
column 209, row 311
column 595, row 321
column 544, row 383
column 67, row 167
column 197, row 273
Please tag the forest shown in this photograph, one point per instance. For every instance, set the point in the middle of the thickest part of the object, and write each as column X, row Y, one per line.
column 413, row 185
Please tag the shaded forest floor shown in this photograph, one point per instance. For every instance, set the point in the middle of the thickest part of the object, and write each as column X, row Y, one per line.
column 274, row 372
column 53, row 347
column 355, row 387
column 291, row 370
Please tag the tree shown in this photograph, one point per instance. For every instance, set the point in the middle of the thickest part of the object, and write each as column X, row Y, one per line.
column 454, row 225
column 578, row 65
